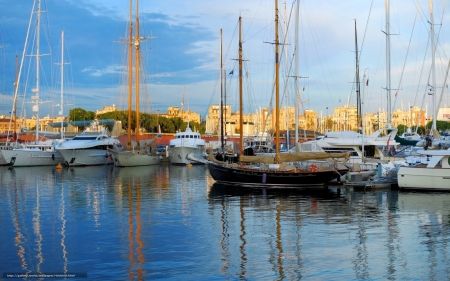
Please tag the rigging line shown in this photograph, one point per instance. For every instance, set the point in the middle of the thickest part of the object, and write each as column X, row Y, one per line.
column 251, row 22
column 404, row 63
column 320, row 62
column 365, row 30
column 231, row 42
column 429, row 74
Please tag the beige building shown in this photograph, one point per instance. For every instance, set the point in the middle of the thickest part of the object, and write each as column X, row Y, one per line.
column 185, row 115
column 106, row 109
column 261, row 121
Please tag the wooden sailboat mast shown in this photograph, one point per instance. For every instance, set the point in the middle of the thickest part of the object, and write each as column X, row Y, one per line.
column 138, row 56
column 277, row 90
column 130, row 74
column 222, row 141
column 241, row 117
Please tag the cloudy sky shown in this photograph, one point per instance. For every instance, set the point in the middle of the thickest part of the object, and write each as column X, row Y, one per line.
column 184, row 57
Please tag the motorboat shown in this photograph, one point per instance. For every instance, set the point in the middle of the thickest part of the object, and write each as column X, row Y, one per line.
column 435, row 175
column 88, row 148
column 184, row 144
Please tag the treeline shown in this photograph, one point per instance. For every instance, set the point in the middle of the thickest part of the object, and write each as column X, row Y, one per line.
column 442, row 126
column 148, row 122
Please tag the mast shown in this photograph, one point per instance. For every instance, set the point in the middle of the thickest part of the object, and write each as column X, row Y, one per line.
column 297, row 15
column 130, row 74
column 277, row 90
column 358, row 86
column 433, row 70
column 241, row 117
column 16, row 84
column 388, row 66
column 221, row 95
column 138, row 56
column 36, row 90
column 62, row 84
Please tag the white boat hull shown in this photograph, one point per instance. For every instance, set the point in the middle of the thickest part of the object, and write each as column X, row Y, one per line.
column 178, row 155
column 86, row 157
column 423, row 178
column 31, row 157
column 130, row 159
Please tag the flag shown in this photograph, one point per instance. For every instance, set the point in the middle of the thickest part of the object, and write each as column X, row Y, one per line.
column 231, row 72
column 367, row 82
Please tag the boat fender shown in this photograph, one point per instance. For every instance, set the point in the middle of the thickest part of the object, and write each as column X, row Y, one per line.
column 313, row 168
column 264, row 178
column 53, row 157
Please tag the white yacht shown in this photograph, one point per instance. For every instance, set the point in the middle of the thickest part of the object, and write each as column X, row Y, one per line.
column 40, row 153
column 432, row 176
column 185, row 143
column 87, row 149
column 366, row 151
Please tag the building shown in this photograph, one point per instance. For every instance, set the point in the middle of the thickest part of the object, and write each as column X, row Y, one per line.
column 185, row 115
column 106, row 109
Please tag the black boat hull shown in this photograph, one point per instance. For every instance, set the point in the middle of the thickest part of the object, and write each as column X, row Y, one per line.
column 255, row 177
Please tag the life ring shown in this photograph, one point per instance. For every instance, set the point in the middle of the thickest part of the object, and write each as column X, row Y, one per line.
column 313, row 168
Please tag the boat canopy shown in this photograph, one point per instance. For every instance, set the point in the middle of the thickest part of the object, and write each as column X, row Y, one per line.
column 293, row 157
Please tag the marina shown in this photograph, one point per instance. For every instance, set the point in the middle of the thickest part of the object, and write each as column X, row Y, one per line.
column 280, row 163
column 169, row 222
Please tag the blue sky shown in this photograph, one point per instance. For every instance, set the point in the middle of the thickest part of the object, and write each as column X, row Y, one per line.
column 185, row 55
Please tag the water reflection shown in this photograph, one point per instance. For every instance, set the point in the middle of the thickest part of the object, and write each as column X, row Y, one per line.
column 174, row 223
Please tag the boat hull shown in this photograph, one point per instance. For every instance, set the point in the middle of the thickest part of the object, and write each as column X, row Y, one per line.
column 130, row 159
column 178, row 155
column 31, row 157
column 423, row 178
column 238, row 176
column 86, row 157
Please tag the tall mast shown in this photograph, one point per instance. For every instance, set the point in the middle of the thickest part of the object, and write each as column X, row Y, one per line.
column 16, row 84
column 130, row 74
column 36, row 90
column 358, row 86
column 388, row 66
column 277, row 82
column 286, row 113
column 241, row 117
column 62, row 85
column 221, row 95
column 433, row 71
column 138, row 56
column 297, row 15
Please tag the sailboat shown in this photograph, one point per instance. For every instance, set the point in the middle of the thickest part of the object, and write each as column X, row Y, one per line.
column 40, row 152
column 273, row 170
column 136, row 156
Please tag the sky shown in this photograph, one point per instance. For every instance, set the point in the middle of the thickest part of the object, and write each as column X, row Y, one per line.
column 181, row 62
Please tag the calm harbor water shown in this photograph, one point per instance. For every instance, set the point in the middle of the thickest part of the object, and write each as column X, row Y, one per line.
column 173, row 223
